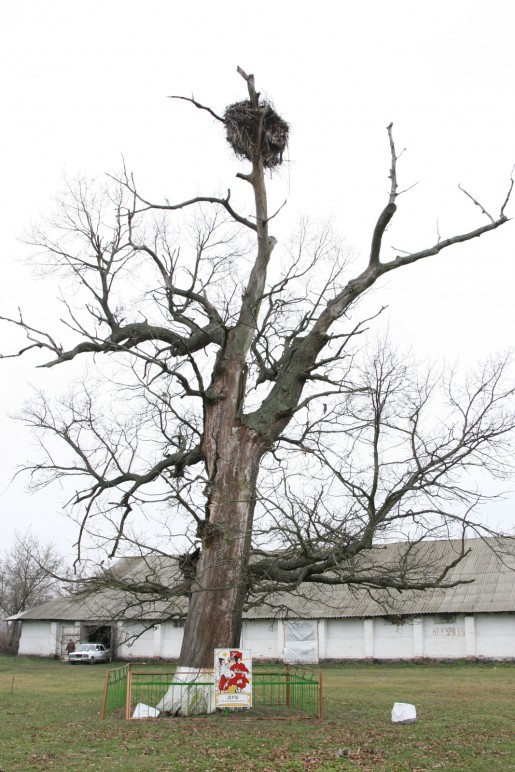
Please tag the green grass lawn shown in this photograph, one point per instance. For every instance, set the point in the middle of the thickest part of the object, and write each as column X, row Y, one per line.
column 49, row 719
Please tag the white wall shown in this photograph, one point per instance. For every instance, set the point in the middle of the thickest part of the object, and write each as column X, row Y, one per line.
column 170, row 641
column 261, row 637
column 495, row 636
column 491, row 636
column 393, row 639
column 134, row 642
column 39, row 639
column 344, row 639
column 445, row 638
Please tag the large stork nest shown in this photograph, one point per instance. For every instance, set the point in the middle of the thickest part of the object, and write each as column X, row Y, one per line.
column 242, row 122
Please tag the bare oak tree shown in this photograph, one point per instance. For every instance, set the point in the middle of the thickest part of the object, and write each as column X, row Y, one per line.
column 28, row 577
column 230, row 380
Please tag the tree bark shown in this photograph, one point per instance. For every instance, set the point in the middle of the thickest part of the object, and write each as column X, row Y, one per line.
column 220, row 586
column 232, row 454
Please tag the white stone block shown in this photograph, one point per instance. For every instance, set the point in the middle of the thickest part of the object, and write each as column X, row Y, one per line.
column 145, row 711
column 403, row 713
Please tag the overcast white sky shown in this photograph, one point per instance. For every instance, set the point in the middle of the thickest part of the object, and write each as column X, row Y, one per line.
column 84, row 82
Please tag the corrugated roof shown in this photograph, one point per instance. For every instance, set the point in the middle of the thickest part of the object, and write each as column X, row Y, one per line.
column 489, row 574
column 489, row 570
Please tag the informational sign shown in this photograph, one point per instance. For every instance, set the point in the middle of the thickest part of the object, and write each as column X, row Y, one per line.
column 233, row 678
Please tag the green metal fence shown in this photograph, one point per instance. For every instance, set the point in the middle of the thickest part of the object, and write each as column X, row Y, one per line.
column 292, row 692
column 115, row 691
column 287, row 692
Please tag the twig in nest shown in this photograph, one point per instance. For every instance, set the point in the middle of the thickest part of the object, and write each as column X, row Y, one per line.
column 242, row 122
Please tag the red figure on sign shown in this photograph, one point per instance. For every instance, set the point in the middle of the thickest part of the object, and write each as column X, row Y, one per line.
column 239, row 679
column 224, row 673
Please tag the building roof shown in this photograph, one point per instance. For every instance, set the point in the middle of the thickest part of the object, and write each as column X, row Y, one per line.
column 487, row 574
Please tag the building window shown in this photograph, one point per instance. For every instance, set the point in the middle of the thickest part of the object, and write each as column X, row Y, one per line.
column 445, row 619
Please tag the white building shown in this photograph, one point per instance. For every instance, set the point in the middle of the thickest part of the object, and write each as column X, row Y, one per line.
column 473, row 619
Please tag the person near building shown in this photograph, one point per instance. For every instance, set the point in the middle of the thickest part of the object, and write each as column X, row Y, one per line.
column 70, row 646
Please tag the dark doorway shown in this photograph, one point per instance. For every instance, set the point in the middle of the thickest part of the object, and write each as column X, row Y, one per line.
column 100, row 633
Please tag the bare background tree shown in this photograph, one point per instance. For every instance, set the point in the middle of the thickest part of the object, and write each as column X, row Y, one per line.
column 29, row 574
column 239, row 396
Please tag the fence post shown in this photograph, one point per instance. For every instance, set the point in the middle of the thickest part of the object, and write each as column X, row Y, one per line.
column 128, row 696
column 320, row 703
column 104, row 698
column 288, row 686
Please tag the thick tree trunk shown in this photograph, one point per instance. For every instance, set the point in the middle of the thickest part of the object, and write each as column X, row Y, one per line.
column 220, row 585
column 14, row 635
column 218, row 591
column 232, row 453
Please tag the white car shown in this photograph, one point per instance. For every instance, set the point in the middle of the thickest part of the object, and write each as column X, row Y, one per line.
column 89, row 653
